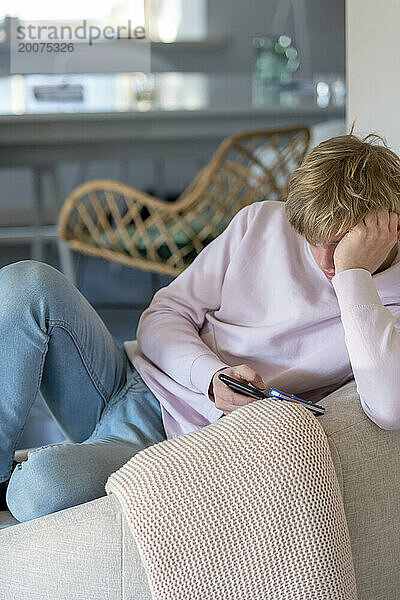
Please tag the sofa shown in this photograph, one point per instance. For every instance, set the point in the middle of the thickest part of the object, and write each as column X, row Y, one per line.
column 88, row 551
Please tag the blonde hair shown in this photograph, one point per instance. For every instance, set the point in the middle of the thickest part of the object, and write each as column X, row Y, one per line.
column 339, row 182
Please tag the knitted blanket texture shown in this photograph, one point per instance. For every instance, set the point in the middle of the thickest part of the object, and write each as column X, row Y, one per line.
column 248, row 507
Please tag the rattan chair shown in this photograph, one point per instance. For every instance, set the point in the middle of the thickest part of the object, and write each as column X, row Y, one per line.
column 118, row 222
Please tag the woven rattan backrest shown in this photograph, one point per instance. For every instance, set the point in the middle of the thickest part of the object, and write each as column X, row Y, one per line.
column 116, row 221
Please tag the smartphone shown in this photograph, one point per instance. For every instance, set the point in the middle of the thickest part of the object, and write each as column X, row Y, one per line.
column 253, row 392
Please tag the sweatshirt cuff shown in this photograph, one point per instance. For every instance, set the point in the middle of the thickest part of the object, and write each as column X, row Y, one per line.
column 202, row 369
column 354, row 287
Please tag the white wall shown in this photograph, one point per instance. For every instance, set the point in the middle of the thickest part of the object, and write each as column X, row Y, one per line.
column 373, row 68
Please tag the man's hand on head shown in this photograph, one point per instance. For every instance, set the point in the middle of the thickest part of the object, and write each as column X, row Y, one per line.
column 369, row 243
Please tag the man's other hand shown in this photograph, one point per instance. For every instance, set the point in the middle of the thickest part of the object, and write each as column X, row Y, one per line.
column 224, row 397
column 369, row 243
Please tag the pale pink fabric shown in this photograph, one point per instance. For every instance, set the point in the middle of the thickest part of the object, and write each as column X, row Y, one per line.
column 255, row 295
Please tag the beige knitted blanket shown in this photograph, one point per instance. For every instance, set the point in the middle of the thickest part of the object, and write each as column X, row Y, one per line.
column 248, row 507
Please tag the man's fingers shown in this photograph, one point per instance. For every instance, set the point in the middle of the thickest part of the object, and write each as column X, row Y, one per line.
column 370, row 219
column 247, row 374
column 229, row 397
column 393, row 224
column 383, row 219
column 240, row 399
column 258, row 382
column 377, row 219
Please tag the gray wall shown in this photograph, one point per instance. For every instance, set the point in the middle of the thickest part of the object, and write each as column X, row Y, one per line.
column 373, row 48
column 239, row 21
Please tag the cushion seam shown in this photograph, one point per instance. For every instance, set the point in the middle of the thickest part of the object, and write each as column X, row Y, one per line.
column 345, row 428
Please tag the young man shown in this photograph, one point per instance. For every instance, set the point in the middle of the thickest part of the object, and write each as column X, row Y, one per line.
column 291, row 296
column 302, row 296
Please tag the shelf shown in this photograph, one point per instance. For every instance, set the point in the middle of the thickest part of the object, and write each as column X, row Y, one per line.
column 203, row 44
column 28, row 233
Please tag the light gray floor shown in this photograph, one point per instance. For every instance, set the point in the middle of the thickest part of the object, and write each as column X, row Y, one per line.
column 112, row 289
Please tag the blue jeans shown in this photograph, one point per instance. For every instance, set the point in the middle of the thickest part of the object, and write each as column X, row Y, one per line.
column 52, row 339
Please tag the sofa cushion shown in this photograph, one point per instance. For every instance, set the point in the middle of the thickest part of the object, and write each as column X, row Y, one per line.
column 84, row 552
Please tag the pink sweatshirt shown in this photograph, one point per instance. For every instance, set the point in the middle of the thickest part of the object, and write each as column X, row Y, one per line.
column 255, row 295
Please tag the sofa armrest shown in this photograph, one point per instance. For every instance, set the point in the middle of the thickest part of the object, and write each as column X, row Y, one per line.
column 367, row 463
column 82, row 552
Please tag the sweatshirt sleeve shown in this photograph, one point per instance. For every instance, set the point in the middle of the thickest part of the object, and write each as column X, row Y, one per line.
column 373, row 343
column 168, row 330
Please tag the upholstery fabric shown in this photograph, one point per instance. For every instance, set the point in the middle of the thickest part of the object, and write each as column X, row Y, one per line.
column 367, row 464
column 82, row 553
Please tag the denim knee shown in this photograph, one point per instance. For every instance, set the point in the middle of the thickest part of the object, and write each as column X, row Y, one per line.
column 39, row 486
column 26, row 281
